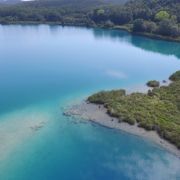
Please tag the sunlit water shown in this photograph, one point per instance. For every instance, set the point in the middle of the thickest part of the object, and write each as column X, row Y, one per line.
column 44, row 69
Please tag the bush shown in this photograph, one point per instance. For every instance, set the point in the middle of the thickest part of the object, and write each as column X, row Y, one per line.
column 153, row 83
column 108, row 24
column 168, row 28
column 150, row 26
column 138, row 25
column 175, row 76
column 121, row 16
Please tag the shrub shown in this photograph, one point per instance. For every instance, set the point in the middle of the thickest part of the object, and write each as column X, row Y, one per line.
column 168, row 28
column 138, row 25
column 175, row 76
column 153, row 83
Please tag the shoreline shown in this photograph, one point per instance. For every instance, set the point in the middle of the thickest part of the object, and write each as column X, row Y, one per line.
column 98, row 114
column 118, row 28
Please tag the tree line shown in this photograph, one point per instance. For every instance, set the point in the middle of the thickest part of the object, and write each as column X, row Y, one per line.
column 159, row 17
column 154, row 16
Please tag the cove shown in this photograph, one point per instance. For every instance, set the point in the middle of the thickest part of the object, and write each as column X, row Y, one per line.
column 44, row 69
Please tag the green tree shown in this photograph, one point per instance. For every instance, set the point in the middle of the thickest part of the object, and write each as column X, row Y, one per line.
column 168, row 28
column 162, row 15
column 138, row 25
column 121, row 16
column 150, row 26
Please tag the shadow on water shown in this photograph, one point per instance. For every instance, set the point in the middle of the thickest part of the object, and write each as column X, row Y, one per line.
column 157, row 46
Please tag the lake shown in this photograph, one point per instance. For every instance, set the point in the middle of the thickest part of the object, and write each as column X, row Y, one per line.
column 45, row 69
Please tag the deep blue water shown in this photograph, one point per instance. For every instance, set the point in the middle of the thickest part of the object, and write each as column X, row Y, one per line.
column 43, row 69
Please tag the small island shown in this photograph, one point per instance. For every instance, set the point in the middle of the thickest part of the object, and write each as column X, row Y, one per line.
column 154, row 115
column 158, row 110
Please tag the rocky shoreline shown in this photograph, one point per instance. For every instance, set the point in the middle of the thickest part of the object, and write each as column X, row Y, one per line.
column 98, row 114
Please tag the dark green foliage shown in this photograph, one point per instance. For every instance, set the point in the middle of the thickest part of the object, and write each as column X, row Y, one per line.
column 175, row 76
column 103, row 96
column 150, row 27
column 138, row 25
column 119, row 15
column 153, row 83
column 55, row 11
column 99, row 15
column 157, row 110
column 168, row 28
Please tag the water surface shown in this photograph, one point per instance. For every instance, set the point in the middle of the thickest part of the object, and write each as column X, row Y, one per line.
column 43, row 69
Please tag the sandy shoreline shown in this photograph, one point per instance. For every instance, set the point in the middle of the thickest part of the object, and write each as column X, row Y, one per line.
column 97, row 114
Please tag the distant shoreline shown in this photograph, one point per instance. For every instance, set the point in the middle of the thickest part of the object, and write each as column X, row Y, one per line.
column 98, row 114
column 121, row 28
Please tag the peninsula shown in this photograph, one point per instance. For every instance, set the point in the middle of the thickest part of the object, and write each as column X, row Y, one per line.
column 154, row 115
column 158, row 110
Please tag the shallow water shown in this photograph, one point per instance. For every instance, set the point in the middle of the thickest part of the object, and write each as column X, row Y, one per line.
column 43, row 69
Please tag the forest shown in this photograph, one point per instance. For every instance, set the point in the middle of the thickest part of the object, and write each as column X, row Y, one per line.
column 149, row 17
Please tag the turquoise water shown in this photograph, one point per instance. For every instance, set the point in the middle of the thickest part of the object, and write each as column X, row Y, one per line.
column 44, row 69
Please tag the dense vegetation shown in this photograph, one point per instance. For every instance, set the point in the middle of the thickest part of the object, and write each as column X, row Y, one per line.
column 73, row 12
column 156, row 18
column 151, row 17
column 157, row 110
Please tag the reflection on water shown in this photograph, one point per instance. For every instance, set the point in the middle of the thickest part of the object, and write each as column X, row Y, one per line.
column 159, row 46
